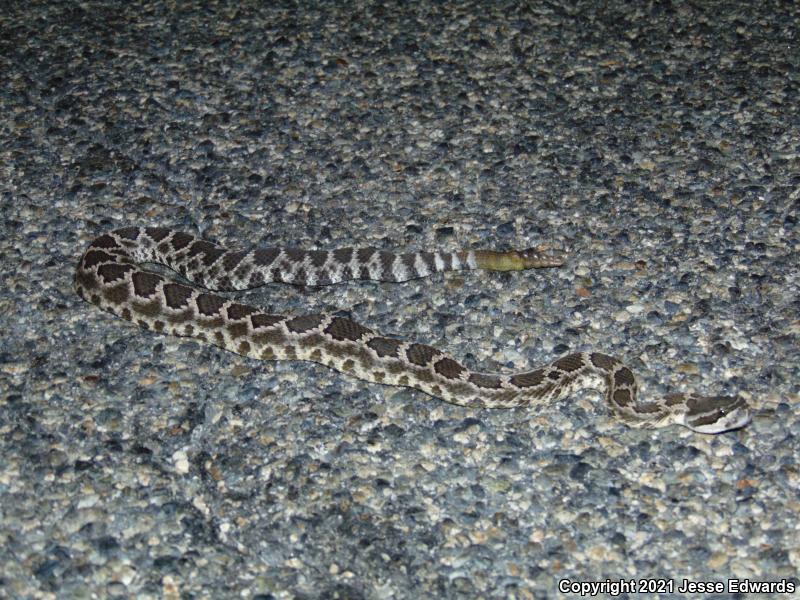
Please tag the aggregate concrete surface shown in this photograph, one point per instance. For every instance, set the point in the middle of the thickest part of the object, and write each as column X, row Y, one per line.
column 657, row 142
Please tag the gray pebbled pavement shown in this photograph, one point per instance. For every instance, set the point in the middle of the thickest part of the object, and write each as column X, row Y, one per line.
column 658, row 142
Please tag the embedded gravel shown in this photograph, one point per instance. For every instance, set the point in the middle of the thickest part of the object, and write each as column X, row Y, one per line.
column 659, row 143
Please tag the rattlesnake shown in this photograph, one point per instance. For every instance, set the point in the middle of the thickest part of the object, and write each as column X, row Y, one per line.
column 109, row 275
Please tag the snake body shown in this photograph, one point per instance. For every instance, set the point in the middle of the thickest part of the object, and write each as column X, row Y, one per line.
column 110, row 275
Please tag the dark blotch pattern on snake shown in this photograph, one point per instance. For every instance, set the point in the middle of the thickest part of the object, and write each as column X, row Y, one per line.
column 110, row 275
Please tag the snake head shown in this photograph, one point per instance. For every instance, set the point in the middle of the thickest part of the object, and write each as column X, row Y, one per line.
column 715, row 414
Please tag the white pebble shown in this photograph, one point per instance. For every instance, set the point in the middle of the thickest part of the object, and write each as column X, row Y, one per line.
column 181, row 461
column 622, row 316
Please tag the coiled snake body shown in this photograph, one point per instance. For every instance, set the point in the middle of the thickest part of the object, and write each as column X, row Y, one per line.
column 110, row 275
